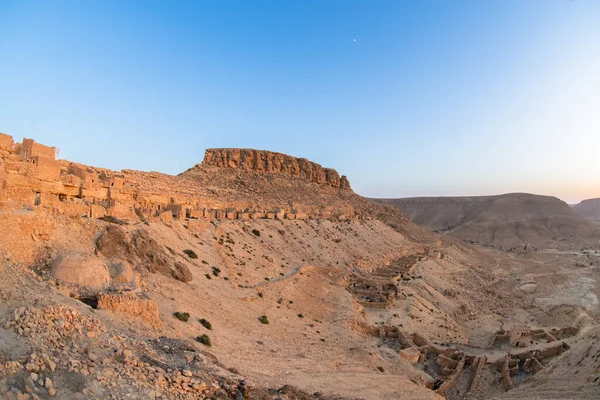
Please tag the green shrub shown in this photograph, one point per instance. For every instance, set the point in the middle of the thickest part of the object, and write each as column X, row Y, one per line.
column 256, row 232
column 263, row 319
column 206, row 324
column 207, row 276
column 300, row 316
column 190, row 253
column 182, row 316
column 204, row 339
column 216, row 271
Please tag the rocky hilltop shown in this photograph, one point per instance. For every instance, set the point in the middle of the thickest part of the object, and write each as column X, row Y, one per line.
column 267, row 161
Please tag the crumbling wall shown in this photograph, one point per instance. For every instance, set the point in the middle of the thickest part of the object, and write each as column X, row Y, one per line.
column 6, row 142
column 30, row 148
column 133, row 305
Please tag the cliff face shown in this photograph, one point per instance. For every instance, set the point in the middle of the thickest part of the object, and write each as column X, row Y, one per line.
column 267, row 161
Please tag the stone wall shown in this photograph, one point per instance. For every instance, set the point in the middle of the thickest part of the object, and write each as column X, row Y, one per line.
column 263, row 161
column 6, row 142
column 30, row 148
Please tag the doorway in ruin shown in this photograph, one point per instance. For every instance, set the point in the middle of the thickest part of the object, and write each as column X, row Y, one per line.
column 38, row 199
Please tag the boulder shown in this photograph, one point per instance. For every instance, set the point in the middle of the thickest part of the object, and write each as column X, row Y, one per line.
column 410, row 354
column 88, row 272
column 122, row 272
column 446, row 362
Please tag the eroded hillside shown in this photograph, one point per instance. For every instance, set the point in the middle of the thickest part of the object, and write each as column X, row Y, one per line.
column 589, row 209
column 506, row 222
column 145, row 285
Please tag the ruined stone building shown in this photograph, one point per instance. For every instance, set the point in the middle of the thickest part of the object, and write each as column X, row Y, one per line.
column 31, row 176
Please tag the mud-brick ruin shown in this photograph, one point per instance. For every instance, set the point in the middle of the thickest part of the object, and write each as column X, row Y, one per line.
column 31, row 176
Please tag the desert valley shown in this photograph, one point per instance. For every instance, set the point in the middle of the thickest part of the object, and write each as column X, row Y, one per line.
column 265, row 267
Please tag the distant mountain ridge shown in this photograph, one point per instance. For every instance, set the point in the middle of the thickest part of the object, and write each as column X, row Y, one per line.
column 504, row 221
column 589, row 209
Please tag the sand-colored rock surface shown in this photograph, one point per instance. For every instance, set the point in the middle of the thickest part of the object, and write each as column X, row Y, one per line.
column 87, row 272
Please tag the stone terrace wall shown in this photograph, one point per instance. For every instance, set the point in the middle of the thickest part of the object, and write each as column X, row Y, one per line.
column 263, row 161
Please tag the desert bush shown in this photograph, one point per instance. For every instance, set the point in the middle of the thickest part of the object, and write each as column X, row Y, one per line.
column 256, row 232
column 300, row 316
column 216, row 271
column 263, row 319
column 182, row 316
column 204, row 339
column 207, row 276
column 190, row 253
column 206, row 324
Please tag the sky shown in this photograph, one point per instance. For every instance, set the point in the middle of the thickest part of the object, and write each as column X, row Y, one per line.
column 406, row 98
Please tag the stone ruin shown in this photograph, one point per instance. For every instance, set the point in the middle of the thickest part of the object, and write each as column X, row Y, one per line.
column 515, row 368
column 30, row 175
column 446, row 364
column 379, row 289
column 525, row 337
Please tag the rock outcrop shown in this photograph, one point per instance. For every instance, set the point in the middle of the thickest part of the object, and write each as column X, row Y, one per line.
column 87, row 272
column 267, row 161
column 141, row 251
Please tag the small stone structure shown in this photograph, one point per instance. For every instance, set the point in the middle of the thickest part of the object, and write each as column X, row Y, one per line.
column 6, row 142
column 133, row 304
column 525, row 337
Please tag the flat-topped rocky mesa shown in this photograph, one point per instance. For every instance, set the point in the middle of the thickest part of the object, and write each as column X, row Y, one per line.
column 270, row 162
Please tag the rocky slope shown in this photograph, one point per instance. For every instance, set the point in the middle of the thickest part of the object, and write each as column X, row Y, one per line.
column 589, row 209
column 504, row 221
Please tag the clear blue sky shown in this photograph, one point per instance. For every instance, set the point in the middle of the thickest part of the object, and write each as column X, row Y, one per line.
column 433, row 97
